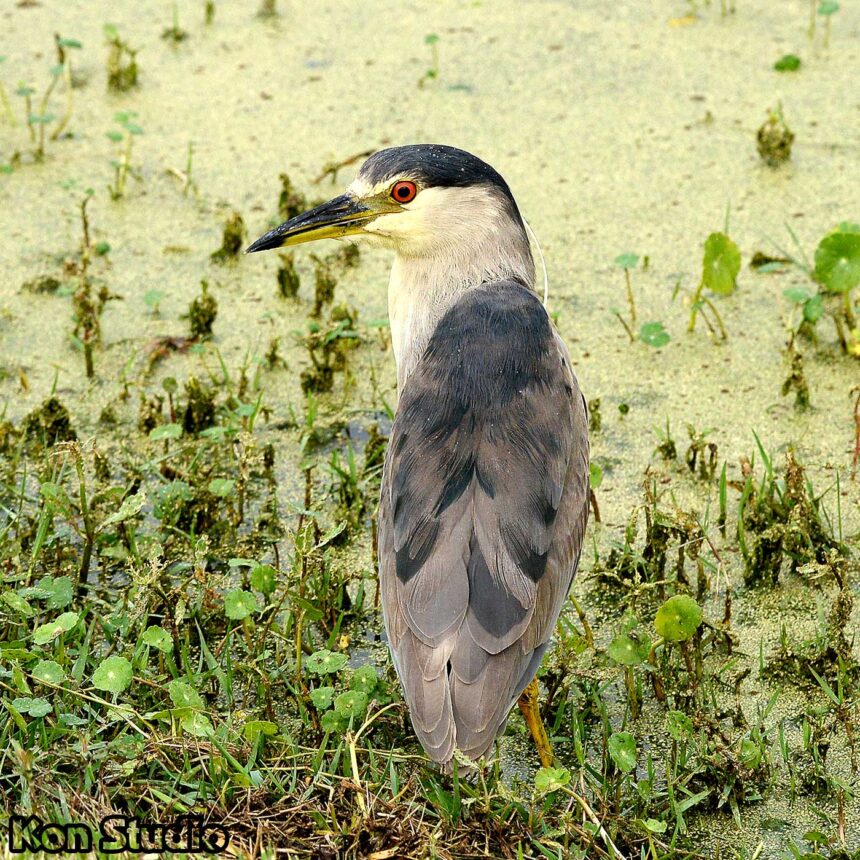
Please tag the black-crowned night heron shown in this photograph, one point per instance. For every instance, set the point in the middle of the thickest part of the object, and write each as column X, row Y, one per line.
column 484, row 495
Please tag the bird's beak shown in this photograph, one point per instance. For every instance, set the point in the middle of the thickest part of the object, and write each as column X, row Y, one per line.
column 342, row 216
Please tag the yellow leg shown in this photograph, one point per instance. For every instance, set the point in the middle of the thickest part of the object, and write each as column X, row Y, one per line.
column 528, row 703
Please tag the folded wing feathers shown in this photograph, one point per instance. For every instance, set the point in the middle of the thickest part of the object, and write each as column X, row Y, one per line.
column 489, row 563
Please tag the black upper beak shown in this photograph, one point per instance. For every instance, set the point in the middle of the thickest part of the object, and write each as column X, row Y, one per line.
column 338, row 217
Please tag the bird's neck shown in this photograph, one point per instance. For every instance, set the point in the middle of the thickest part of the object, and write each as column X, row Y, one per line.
column 423, row 288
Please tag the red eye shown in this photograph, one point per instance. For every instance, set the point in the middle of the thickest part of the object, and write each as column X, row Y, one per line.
column 403, row 192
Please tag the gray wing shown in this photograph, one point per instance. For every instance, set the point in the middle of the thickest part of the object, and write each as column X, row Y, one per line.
column 482, row 515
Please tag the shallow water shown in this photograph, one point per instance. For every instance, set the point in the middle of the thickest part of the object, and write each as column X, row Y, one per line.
column 618, row 128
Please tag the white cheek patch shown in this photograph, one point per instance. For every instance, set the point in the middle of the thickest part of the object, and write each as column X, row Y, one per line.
column 384, row 225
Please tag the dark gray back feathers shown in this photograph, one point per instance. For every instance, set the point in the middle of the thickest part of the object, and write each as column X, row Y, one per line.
column 482, row 514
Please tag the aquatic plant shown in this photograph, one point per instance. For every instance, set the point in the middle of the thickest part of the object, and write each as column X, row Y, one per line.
column 835, row 274
column 701, row 456
column 174, row 33
column 40, row 117
column 721, row 264
column 332, row 168
column 328, row 349
column 626, row 262
column 825, row 9
column 185, row 176
column 87, row 304
column 324, row 284
column 595, row 420
column 787, row 63
column 268, row 8
column 774, row 139
column 667, row 448
column 122, row 68
column 781, row 521
column 124, row 139
column 796, row 379
column 202, row 313
column 287, row 276
column 651, row 333
column 837, row 270
column 233, row 239
column 654, row 334
column 432, row 73
column 291, row 202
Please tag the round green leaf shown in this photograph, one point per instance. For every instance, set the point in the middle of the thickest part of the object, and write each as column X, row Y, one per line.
column 129, row 509
column 551, row 778
column 679, row 725
column 221, row 487
column 816, row 837
column 622, row 751
column 654, row 825
column 254, row 728
column 183, row 695
column 595, row 475
column 798, row 294
column 157, row 637
column 837, row 261
column 113, row 675
column 351, row 704
column 49, row 671
column 17, row 603
column 322, row 697
column 629, row 649
column 678, row 618
column 56, row 591
column 22, row 704
column 197, row 724
column 239, row 604
column 40, row 707
column 46, row 633
column 364, row 679
column 813, row 309
column 263, row 578
column 628, row 260
column 165, row 431
column 750, row 753
column 333, row 722
column 325, row 662
column 720, row 264
column 654, row 334
column 35, row 707
column 151, row 298
column 787, row 63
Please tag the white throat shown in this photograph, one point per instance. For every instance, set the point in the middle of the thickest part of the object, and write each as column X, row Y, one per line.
column 426, row 281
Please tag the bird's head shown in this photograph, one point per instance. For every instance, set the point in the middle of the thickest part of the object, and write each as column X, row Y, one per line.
column 423, row 200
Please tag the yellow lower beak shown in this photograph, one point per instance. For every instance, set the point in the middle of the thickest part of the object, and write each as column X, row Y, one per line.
column 342, row 216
